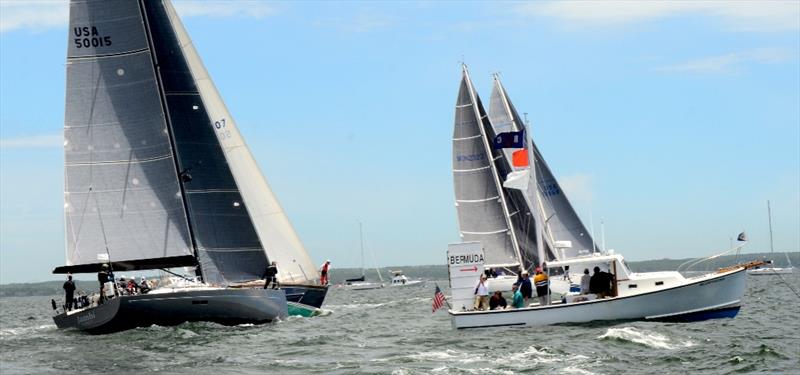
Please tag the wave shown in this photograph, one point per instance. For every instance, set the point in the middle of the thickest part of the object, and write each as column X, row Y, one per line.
column 649, row 339
column 25, row 330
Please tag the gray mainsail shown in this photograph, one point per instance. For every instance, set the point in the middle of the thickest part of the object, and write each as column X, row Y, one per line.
column 147, row 182
column 561, row 221
column 481, row 206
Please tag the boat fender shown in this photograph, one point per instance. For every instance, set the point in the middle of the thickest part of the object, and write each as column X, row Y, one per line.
column 53, row 303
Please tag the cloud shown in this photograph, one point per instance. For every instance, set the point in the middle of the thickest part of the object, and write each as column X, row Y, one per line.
column 33, row 15
column 363, row 22
column 730, row 62
column 33, row 141
column 41, row 15
column 578, row 187
column 219, row 8
column 744, row 15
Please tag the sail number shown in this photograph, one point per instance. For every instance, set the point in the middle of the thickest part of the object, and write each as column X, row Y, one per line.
column 86, row 37
column 550, row 190
column 221, row 131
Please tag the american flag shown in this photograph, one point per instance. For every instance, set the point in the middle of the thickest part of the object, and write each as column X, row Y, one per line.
column 438, row 299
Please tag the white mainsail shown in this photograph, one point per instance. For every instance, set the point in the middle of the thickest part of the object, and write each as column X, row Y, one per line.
column 277, row 236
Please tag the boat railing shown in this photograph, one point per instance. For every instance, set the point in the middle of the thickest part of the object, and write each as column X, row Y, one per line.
column 689, row 264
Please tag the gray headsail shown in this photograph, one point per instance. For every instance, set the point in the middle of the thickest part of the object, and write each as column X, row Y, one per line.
column 145, row 171
column 481, row 207
column 562, row 222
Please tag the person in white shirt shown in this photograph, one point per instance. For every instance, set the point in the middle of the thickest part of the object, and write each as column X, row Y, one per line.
column 482, row 294
column 585, row 282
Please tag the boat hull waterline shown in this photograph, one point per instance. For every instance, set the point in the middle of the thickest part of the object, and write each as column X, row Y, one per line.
column 224, row 306
column 706, row 297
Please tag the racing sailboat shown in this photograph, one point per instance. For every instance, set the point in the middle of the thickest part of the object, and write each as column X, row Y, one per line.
column 769, row 268
column 157, row 176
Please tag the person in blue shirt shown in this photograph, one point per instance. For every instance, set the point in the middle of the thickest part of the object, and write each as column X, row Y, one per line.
column 517, row 301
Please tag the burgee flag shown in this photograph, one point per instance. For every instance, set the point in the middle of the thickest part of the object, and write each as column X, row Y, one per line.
column 510, row 140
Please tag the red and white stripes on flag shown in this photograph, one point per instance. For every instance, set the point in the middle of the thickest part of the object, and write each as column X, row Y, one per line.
column 438, row 300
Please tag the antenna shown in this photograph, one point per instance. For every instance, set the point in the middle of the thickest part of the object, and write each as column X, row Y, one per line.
column 769, row 215
column 602, row 234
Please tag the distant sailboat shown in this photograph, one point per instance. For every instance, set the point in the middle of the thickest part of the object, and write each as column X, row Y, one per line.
column 512, row 213
column 157, row 176
column 360, row 283
column 771, row 269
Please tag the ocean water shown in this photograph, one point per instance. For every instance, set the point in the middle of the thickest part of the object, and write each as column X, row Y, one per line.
column 392, row 331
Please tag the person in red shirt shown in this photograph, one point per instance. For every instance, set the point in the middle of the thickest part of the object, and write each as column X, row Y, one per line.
column 323, row 272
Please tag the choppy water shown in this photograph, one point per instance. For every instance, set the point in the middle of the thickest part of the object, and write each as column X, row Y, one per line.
column 393, row 331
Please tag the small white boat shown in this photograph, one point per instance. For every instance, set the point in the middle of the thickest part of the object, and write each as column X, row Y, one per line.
column 770, row 269
column 360, row 284
column 399, row 279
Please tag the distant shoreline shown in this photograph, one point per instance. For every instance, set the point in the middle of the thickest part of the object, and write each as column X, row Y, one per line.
column 428, row 272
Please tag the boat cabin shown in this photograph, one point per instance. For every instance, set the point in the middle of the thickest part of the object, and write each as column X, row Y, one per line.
column 625, row 282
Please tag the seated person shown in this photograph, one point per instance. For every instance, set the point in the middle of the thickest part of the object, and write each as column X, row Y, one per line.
column 497, row 301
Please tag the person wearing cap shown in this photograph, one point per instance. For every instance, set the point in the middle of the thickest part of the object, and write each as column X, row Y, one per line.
column 482, row 294
column 517, row 302
column 542, row 287
column 323, row 272
column 69, row 290
column 271, row 275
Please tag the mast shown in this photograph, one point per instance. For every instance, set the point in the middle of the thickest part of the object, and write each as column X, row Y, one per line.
column 540, row 224
column 493, row 166
column 170, row 134
column 361, row 238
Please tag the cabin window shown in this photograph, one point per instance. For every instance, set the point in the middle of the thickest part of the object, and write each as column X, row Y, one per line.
column 659, row 283
column 631, row 286
column 200, row 302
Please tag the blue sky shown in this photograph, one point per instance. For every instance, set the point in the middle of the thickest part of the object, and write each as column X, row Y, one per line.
column 672, row 122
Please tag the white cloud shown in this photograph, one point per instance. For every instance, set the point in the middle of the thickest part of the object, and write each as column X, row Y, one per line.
column 33, row 15
column 220, row 8
column 33, row 141
column 735, row 15
column 578, row 187
column 730, row 62
column 41, row 15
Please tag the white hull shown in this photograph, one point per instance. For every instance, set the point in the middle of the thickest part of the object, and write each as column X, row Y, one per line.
column 362, row 286
column 770, row 271
column 708, row 296
column 408, row 283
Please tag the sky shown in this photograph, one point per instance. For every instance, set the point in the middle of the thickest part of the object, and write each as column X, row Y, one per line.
column 671, row 123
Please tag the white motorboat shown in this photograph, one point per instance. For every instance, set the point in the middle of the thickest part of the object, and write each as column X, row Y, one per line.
column 513, row 215
column 399, row 279
column 666, row 296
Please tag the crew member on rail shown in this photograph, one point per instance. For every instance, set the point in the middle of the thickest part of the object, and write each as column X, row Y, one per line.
column 323, row 272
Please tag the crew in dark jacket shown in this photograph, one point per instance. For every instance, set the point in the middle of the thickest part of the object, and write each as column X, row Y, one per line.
column 271, row 276
column 69, row 290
